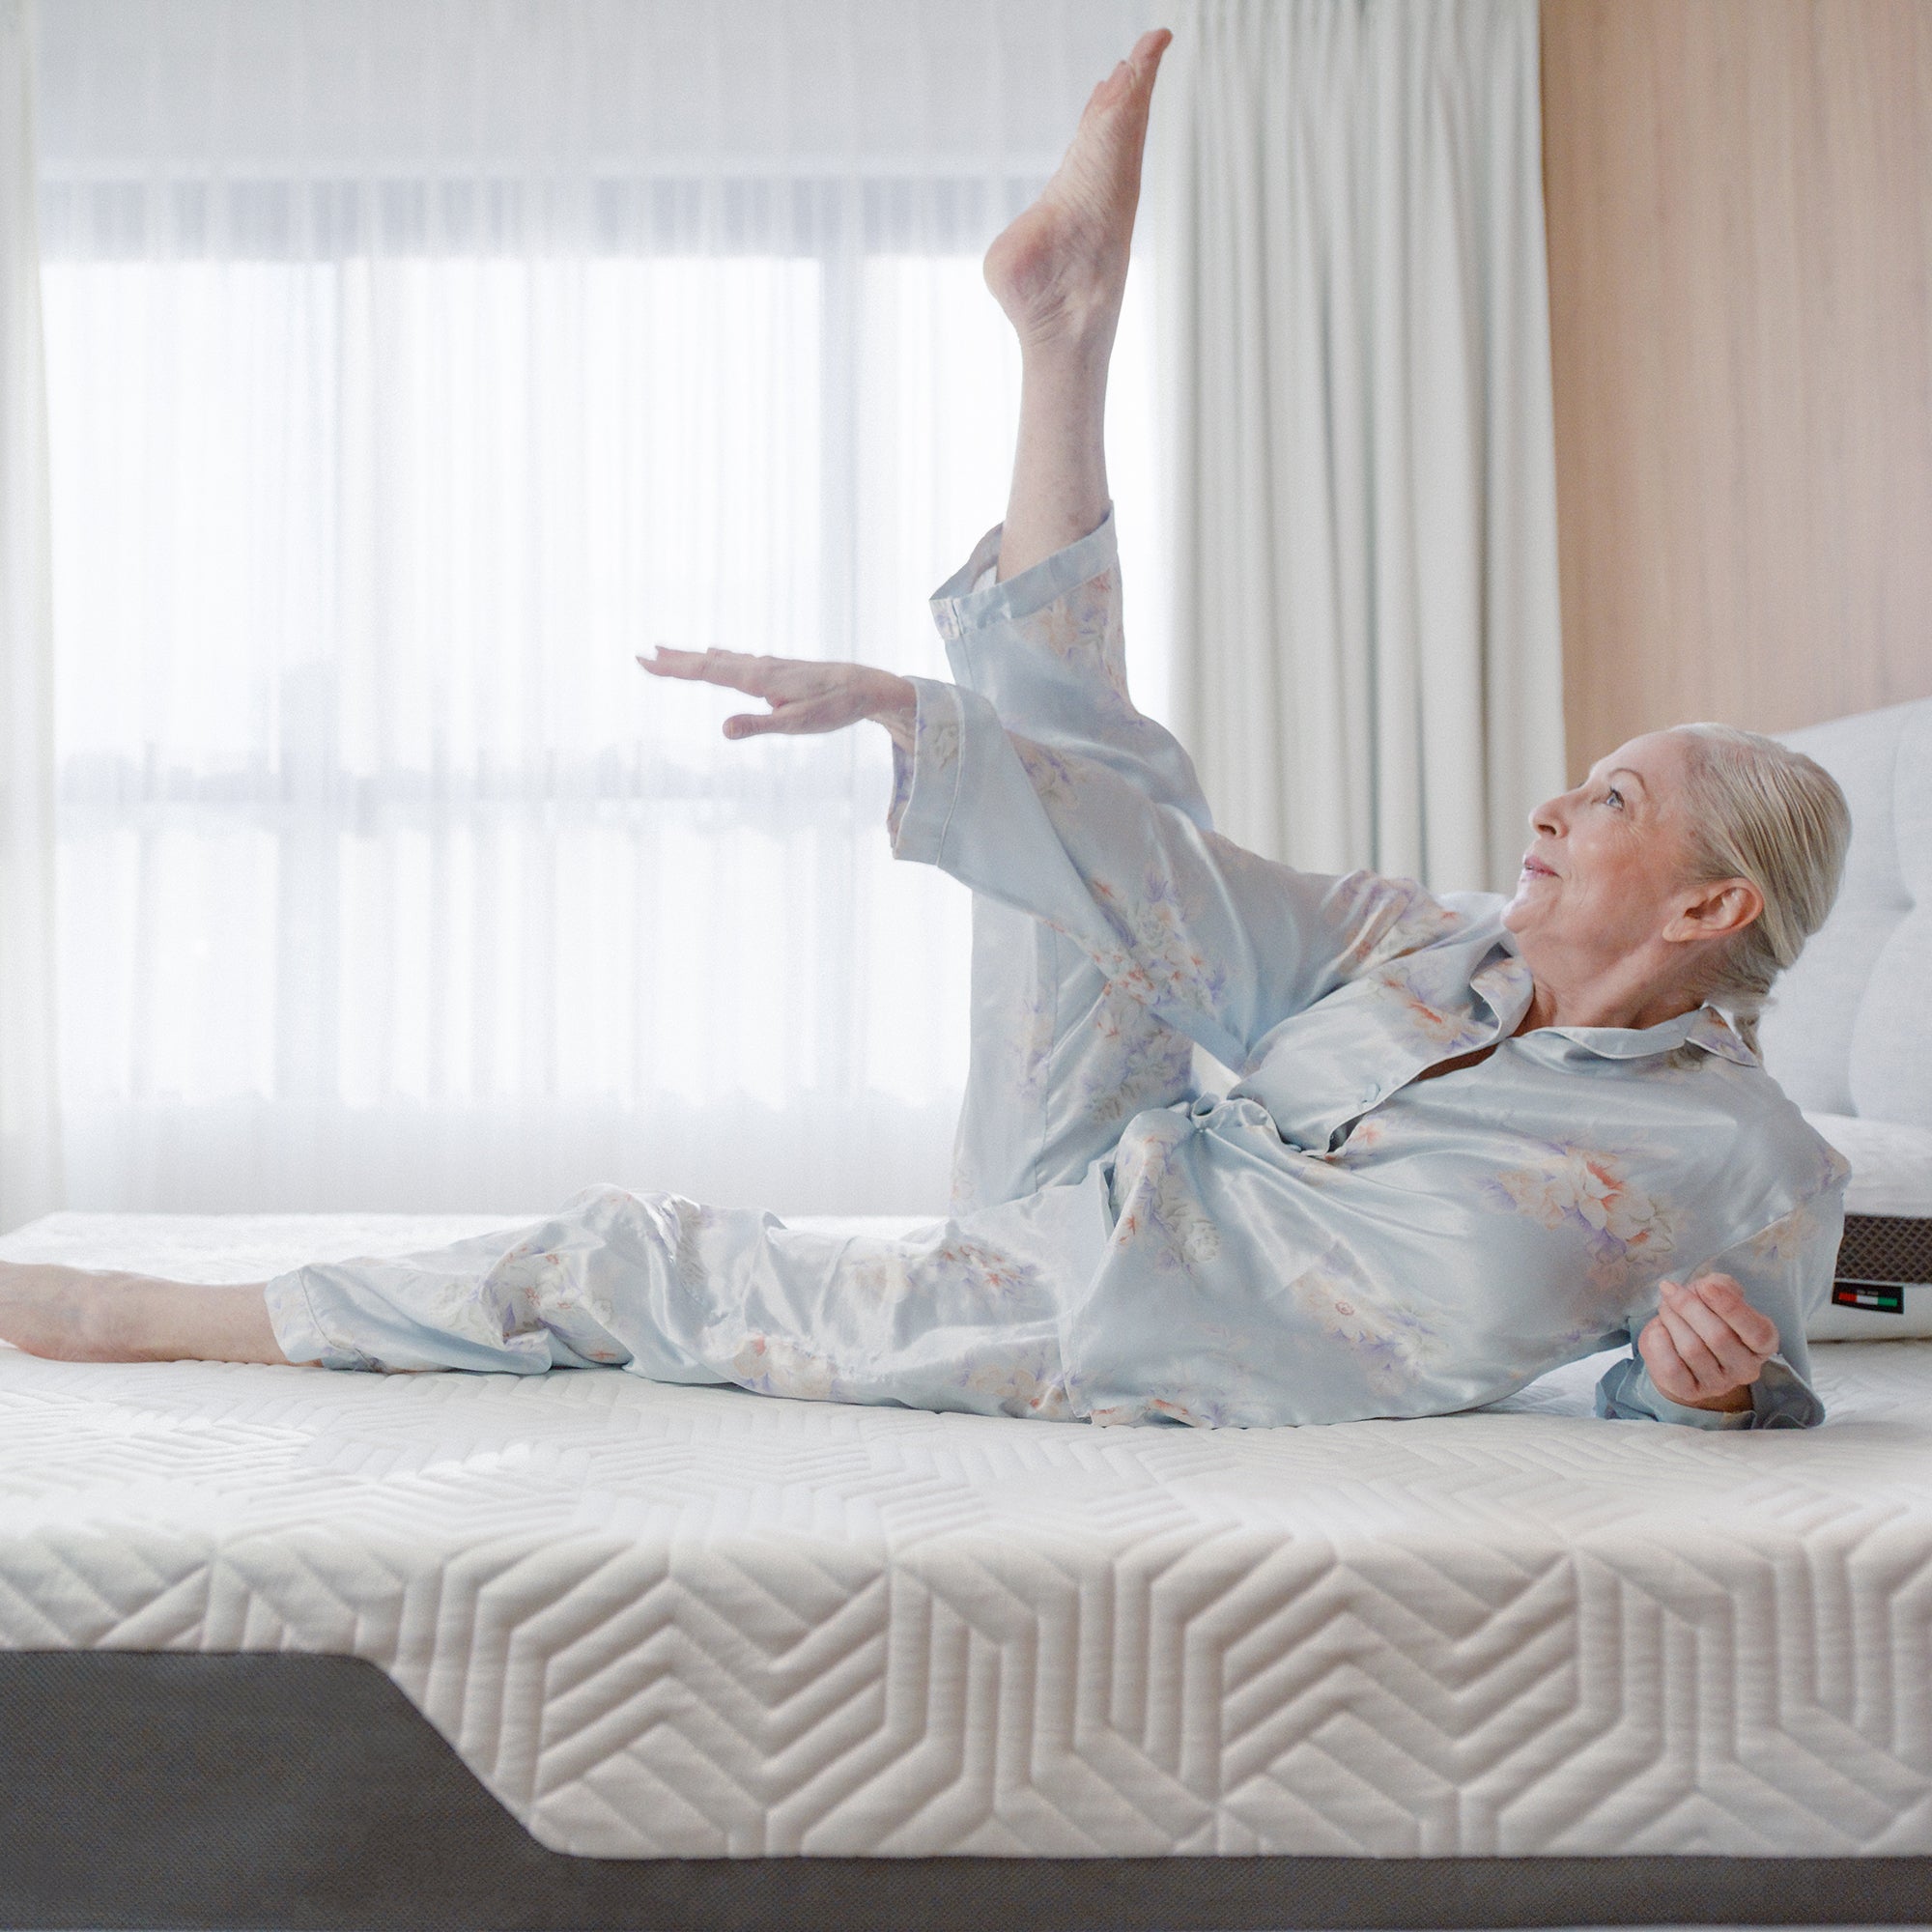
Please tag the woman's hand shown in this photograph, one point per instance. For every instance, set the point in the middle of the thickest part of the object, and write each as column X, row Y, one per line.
column 801, row 693
column 1706, row 1344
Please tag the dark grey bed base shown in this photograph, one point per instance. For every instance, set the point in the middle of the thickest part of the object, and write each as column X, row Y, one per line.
column 286, row 1791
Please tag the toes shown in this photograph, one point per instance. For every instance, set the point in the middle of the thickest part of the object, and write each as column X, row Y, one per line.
column 1144, row 63
column 1132, row 79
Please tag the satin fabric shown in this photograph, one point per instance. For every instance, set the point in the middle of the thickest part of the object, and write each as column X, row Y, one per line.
column 1329, row 1240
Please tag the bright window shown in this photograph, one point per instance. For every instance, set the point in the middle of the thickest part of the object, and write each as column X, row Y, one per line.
column 386, row 879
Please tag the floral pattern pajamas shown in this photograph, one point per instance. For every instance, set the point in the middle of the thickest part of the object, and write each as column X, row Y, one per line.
column 1329, row 1240
column 1063, row 1055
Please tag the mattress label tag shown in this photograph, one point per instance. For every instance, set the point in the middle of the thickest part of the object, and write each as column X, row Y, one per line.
column 1873, row 1296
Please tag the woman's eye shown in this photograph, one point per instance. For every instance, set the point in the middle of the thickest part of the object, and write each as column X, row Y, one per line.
column 1614, row 797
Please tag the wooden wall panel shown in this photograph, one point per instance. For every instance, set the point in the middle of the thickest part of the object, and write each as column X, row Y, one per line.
column 1739, row 199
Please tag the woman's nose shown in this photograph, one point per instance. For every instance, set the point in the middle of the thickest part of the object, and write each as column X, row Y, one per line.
column 1546, row 818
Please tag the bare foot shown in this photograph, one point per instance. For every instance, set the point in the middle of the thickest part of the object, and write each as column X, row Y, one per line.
column 1060, row 268
column 59, row 1312
column 87, row 1315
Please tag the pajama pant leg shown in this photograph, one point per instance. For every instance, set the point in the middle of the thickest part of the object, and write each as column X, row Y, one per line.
column 1061, row 1060
column 955, row 1317
column 967, row 1314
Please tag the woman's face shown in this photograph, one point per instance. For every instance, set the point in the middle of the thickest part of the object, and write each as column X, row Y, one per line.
column 1607, row 874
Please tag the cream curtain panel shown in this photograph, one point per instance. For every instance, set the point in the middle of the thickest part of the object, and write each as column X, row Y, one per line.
column 29, row 1118
column 413, row 363
column 1355, row 345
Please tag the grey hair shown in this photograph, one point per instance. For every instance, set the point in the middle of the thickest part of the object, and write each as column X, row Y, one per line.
column 1761, row 811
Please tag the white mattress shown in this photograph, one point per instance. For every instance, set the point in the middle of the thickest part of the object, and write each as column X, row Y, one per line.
column 695, row 1622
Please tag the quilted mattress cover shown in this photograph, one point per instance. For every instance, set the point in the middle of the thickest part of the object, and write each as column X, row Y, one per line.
column 664, row 1622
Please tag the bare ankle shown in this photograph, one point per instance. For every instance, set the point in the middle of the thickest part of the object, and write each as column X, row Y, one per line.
column 1070, row 351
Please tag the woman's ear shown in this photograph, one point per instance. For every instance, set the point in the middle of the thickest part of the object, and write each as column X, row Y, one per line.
column 1717, row 909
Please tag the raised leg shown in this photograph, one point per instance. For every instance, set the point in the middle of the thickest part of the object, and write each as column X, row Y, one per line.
column 1061, row 1060
column 1060, row 271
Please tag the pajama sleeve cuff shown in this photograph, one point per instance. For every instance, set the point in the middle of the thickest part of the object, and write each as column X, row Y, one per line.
column 1782, row 1399
column 925, row 785
column 298, row 1334
column 1779, row 1399
column 972, row 598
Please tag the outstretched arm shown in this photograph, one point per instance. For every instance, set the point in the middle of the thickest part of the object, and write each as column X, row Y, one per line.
column 1220, row 942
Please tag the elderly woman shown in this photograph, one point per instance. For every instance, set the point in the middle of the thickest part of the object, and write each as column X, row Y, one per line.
column 1471, row 1139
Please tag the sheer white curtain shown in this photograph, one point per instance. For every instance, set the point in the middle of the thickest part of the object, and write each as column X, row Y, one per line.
column 413, row 363
column 1355, row 321
column 29, row 1137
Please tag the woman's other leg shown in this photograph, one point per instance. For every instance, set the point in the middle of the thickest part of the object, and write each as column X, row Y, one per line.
column 950, row 1318
column 1061, row 1059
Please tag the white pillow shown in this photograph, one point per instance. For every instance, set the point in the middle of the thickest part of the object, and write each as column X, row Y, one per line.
column 1892, row 1175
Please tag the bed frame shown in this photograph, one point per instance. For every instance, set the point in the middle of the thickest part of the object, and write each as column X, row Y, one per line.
column 159, row 1790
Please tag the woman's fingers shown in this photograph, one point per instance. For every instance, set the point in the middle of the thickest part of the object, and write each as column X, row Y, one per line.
column 779, row 681
column 1736, row 1364
column 733, row 669
column 829, row 713
column 757, row 723
column 1707, row 1374
column 1705, row 1340
column 1667, row 1367
column 1680, row 1365
column 1731, row 1331
column 804, row 693
column 1722, row 1293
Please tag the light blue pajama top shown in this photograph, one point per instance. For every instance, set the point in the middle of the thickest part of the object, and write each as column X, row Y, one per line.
column 1329, row 1240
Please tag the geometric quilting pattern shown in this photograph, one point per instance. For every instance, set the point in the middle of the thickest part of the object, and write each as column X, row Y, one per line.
column 660, row 1621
